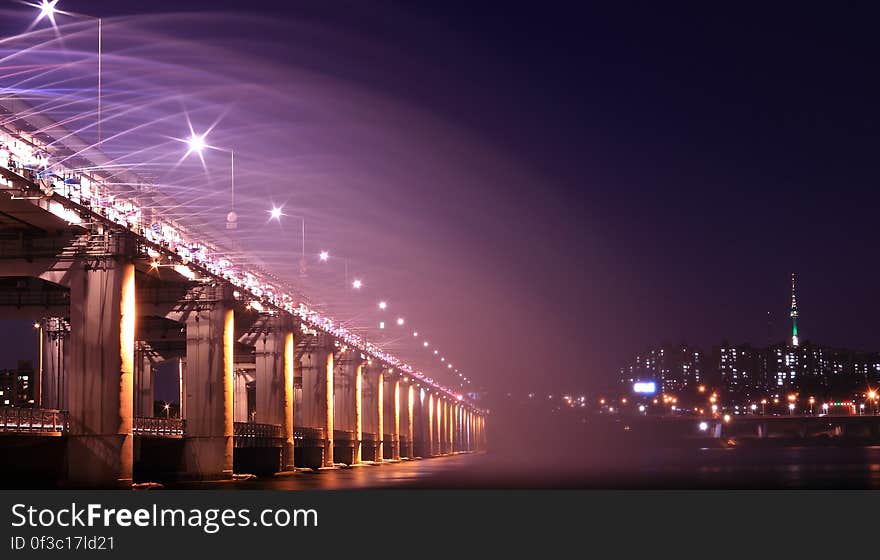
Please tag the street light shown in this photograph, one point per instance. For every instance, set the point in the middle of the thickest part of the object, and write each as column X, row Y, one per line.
column 48, row 9
column 197, row 144
column 323, row 256
column 275, row 214
column 38, row 384
column 357, row 284
column 791, row 408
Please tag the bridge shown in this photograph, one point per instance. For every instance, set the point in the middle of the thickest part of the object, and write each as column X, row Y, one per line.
column 751, row 427
column 116, row 290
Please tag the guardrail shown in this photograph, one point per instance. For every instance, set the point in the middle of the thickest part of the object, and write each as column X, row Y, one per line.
column 33, row 420
column 255, row 430
column 158, row 427
column 252, row 434
column 310, row 435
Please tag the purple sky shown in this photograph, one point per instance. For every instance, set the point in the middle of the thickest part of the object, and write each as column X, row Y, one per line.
column 543, row 191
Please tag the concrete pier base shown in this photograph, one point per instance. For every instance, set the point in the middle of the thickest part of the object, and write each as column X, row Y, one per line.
column 317, row 405
column 100, row 371
column 208, row 438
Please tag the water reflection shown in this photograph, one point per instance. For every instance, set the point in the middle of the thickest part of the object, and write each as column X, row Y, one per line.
column 658, row 468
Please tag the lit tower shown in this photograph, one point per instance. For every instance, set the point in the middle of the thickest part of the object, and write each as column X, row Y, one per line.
column 794, row 311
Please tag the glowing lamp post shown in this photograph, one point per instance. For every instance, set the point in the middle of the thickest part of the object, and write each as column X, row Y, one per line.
column 48, row 9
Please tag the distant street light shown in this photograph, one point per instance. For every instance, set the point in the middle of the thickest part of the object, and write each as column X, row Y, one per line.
column 357, row 284
column 791, row 408
column 323, row 256
column 275, row 214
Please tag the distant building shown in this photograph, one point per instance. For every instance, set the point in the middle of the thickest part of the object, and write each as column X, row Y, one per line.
column 17, row 385
column 672, row 368
column 741, row 369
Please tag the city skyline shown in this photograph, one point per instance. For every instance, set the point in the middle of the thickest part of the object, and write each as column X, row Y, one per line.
column 743, row 368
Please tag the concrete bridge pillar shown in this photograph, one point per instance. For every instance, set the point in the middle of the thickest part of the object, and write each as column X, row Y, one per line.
column 100, row 373
column 420, row 423
column 466, row 429
column 457, row 437
column 347, row 395
column 274, row 355
column 452, row 436
column 430, row 422
column 391, row 416
column 56, row 345
column 210, row 338
column 372, row 412
column 143, row 382
column 442, row 433
column 447, row 423
column 762, row 430
column 239, row 396
column 317, row 400
column 407, row 407
column 438, row 425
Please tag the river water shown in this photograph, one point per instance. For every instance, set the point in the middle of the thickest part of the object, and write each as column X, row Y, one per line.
column 824, row 467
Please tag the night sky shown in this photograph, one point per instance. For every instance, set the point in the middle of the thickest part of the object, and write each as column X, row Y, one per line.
column 595, row 180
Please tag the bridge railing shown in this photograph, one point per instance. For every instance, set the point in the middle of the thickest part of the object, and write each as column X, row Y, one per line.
column 160, row 427
column 33, row 420
column 255, row 430
column 309, row 436
column 253, row 434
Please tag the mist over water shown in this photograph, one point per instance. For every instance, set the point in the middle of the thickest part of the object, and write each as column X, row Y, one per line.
column 410, row 203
